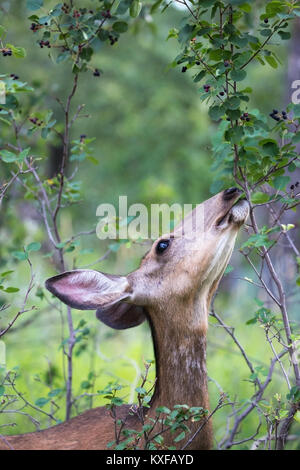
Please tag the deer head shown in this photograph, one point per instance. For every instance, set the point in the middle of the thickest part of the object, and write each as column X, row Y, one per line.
column 182, row 266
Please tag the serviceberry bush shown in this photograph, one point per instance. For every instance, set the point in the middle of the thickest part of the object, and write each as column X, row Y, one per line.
column 218, row 43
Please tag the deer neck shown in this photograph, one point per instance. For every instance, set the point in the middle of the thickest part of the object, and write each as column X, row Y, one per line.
column 180, row 353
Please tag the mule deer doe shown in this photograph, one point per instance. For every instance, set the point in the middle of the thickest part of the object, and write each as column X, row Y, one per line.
column 172, row 289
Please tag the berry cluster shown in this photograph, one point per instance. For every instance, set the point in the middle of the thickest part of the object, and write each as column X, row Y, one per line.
column 184, row 69
column 245, row 117
column 44, row 43
column 35, row 27
column 293, row 186
column 112, row 39
column 277, row 116
column 36, row 121
column 96, row 73
column 106, row 14
column 6, row 52
column 206, row 88
column 65, row 8
column 76, row 14
column 13, row 76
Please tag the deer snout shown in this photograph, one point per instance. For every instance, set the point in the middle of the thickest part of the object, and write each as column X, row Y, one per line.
column 231, row 193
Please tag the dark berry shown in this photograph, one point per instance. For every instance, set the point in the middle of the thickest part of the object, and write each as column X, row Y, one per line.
column 222, row 93
column 6, row 52
column 184, row 69
column 96, row 73
column 106, row 14
column 247, row 119
column 297, row 184
column 197, row 63
column 226, row 63
column 275, row 111
column 266, row 20
column 228, row 119
column 292, row 187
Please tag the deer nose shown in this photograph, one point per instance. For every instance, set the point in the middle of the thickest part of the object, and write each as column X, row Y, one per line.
column 230, row 193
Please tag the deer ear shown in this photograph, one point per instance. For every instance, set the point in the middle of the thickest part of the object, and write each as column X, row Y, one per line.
column 91, row 290
column 121, row 315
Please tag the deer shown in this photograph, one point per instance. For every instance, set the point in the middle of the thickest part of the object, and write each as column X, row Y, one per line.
column 172, row 289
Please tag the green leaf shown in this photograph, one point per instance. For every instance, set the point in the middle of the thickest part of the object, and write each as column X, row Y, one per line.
column 269, row 147
column 163, row 409
column 20, row 255
column 245, row 7
column 117, row 401
column 228, row 269
column 284, row 35
column 216, row 54
column 216, row 112
column 259, row 197
column 135, row 8
column 186, row 33
column 2, row 390
column 54, row 392
column 6, row 273
column 280, row 182
column 238, row 75
column 10, row 290
column 120, row 26
column 7, row 157
column 234, row 134
column 199, row 76
column 40, row 402
column 34, row 4
column 86, row 384
column 232, row 103
column 296, row 138
column 180, row 437
column 123, row 7
column 23, row 154
column 155, row 6
column 271, row 61
column 35, row 246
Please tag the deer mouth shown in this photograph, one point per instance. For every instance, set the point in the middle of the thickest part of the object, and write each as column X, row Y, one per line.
column 236, row 215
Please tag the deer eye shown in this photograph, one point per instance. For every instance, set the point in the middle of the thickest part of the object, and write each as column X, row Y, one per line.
column 162, row 246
